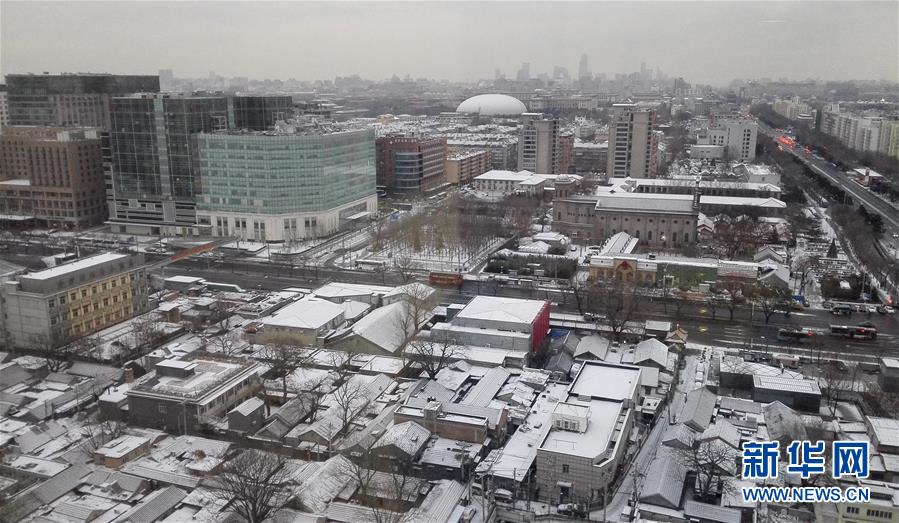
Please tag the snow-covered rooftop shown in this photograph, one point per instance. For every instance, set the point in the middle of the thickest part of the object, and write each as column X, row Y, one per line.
column 491, row 308
column 308, row 313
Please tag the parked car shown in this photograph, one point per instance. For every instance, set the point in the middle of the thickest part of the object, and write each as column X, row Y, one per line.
column 572, row 509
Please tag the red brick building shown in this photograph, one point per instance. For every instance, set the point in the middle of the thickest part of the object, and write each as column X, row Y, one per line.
column 410, row 165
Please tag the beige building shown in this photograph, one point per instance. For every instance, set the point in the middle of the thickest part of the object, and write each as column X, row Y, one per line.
column 464, row 165
column 633, row 146
column 61, row 304
column 539, row 144
column 656, row 220
column 52, row 176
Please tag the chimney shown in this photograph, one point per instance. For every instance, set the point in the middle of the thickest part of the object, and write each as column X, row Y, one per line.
column 129, row 374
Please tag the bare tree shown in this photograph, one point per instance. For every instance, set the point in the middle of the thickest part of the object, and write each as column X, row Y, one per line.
column 417, row 302
column 406, row 267
column 256, row 484
column 145, row 331
column 618, row 303
column 433, row 353
column 99, row 431
column 731, row 295
column 284, row 357
column 55, row 349
column 713, row 462
column 805, row 266
column 768, row 298
column 383, row 485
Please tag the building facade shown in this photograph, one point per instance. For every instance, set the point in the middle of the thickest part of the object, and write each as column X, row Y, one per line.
column 464, row 165
column 154, row 176
column 52, row 177
column 539, row 144
column 737, row 137
column 284, row 185
column 4, row 108
column 70, row 99
column 633, row 147
column 590, row 157
column 588, row 440
column 180, row 395
column 655, row 222
column 410, row 165
column 55, row 306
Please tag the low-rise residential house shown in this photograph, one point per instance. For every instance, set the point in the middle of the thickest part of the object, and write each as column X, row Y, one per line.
column 181, row 394
column 247, row 417
column 121, row 450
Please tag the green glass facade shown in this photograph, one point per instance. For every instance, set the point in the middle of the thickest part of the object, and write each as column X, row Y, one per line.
column 256, row 173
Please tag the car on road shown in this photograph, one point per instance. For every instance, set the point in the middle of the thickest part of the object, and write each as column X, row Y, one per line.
column 867, row 324
column 572, row 509
column 885, row 309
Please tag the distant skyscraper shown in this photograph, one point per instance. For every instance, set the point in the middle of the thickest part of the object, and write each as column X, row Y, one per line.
column 69, row 99
column 583, row 68
column 524, row 73
column 166, row 80
column 633, row 147
column 538, row 144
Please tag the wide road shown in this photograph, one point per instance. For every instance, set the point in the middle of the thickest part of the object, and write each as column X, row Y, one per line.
column 871, row 201
column 703, row 326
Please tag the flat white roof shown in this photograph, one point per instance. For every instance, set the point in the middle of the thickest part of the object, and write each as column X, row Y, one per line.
column 605, row 381
column 184, row 279
column 786, row 384
column 595, row 440
column 78, row 265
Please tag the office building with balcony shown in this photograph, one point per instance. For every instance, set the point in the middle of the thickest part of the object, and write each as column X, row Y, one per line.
column 81, row 100
column 51, row 177
column 57, row 305
column 284, row 185
column 409, row 164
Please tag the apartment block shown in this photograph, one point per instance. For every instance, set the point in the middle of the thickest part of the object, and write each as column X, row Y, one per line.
column 55, row 306
column 633, row 146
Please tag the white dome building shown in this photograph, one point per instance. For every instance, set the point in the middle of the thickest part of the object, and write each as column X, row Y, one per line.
column 492, row 105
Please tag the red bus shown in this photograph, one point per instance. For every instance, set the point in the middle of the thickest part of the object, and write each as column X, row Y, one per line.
column 446, row 279
column 862, row 333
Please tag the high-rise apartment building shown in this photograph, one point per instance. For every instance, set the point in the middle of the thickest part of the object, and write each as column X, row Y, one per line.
column 633, row 147
column 539, row 144
column 4, row 108
column 70, row 99
column 738, row 137
column 51, row 177
column 583, row 68
column 154, row 172
column 286, row 184
column 408, row 164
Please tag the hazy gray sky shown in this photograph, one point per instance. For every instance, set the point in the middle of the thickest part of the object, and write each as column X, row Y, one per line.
column 709, row 42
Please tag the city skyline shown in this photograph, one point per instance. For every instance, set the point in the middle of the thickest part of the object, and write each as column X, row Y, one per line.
column 717, row 42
